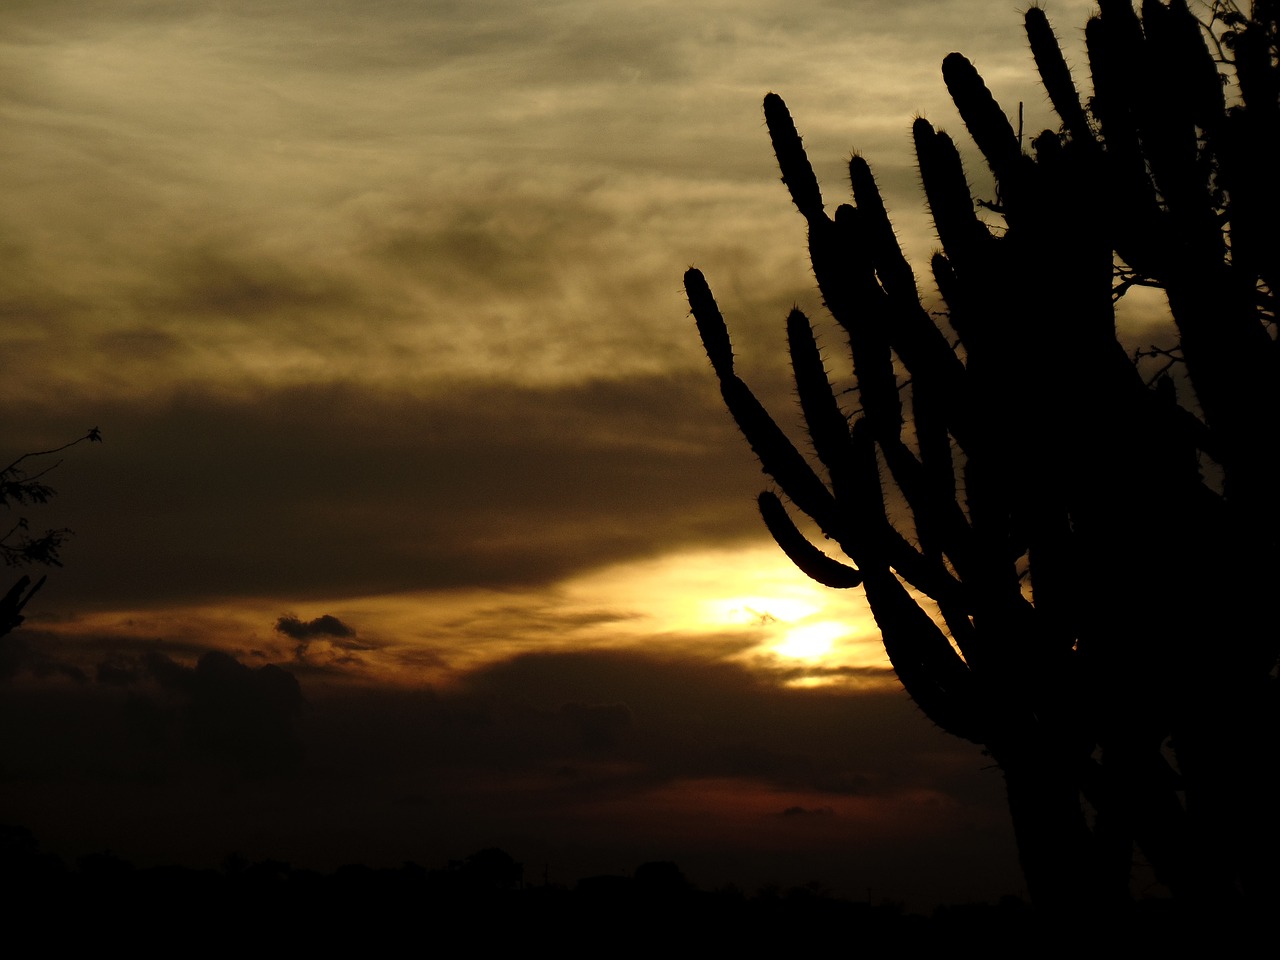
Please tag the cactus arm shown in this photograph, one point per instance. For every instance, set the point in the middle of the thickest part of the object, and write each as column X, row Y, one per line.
column 777, row 455
column 711, row 326
column 940, row 523
column 844, row 272
column 828, row 427
column 780, row 459
column 797, row 172
column 1168, row 115
column 1056, row 76
column 963, row 236
column 986, row 122
column 1189, row 57
column 921, row 654
column 811, row 561
column 950, row 288
column 877, row 544
column 1256, row 73
column 1140, row 237
column 846, row 278
column 861, row 528
column 886, row 255
column 932, row 673
column 917, row 339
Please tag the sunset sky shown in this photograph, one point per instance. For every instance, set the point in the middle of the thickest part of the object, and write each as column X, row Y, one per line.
column 378, row 307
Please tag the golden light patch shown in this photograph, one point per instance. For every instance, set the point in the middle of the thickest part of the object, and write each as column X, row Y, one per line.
column 812, row 641
column 757, row 611
column 781, row 619
column 747, row 605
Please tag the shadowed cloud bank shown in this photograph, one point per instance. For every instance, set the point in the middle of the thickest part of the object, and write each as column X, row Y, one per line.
column 345, row 489
column 585, row 761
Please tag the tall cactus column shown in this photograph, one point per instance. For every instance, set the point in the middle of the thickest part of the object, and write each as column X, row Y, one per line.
column 1058, row 515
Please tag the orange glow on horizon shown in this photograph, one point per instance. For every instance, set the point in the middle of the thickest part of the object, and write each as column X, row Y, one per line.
column 747, row 605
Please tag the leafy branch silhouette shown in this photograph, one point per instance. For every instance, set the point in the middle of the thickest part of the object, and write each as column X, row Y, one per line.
column 22, row 484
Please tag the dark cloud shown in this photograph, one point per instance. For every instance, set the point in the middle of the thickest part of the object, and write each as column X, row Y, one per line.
column 322, row 626
column 235, row 714
column 804, row 812
column 575, row 759
column 600, row 725
column 692, row 718
column 220, row 277
column 120, row 670
column 527, row 247
column 19, row 654
column 342, row 489
column 325, row 644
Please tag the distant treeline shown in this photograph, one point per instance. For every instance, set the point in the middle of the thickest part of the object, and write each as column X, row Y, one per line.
column 484, row 900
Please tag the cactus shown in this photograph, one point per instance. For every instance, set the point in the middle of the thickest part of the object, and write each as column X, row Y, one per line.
column 1103, row 602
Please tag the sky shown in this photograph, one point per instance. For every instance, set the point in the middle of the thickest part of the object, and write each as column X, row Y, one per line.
column 418, row 525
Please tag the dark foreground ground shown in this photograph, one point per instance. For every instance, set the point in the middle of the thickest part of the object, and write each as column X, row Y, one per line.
column 484, row 902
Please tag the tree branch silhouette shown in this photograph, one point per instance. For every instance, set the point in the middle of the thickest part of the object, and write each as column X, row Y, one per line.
column 21, row 486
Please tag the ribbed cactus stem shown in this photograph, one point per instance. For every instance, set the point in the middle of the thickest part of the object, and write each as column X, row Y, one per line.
column 947, row 190
column 828, row 428
column 1120, row 16
column 986, row 122
column 780, row 459
column 811, row 561
column 1191, row 57
column 890, row 265
column 1167, row 110
column 1108, row 101
column 797, row 173
column 1056, row 76
column 777, row 454
column 934, row 675
column 913, row 335
column 711, row 325
column 1258, row 78
column 953, row 707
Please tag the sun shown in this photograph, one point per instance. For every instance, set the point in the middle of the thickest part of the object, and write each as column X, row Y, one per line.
column 811, row 641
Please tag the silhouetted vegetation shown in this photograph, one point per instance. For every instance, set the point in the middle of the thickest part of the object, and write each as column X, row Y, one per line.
column 23, row 485
column 105, row 899
column 1072, row 563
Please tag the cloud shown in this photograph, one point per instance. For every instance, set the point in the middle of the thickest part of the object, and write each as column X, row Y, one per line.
column 18, row 656
column 408, row 316
column 119, row 670
column 798, row 811
column 685, row 717
column 234, row 714
column 579, row 760
column 325, row 644
column 432, row 194
column 599, row 724
column 322, row 626
column 345, row 489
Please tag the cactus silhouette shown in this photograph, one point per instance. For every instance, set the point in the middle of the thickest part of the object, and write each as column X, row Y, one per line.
column 1098, row 612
